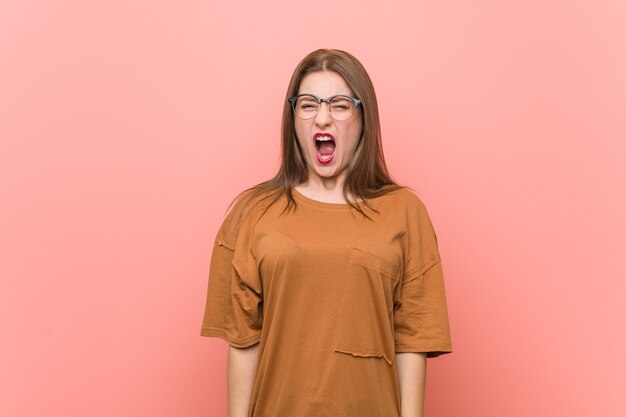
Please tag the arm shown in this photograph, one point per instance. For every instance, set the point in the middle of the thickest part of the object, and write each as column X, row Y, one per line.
column 411, row 368
column 242, row 365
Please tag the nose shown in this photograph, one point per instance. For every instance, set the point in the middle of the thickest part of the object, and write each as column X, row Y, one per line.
column 323, row 117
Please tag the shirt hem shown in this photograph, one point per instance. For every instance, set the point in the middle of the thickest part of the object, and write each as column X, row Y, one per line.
column 222, row 334
column 431, row 351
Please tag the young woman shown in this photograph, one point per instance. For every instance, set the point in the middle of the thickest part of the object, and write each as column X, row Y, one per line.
column 326, row 280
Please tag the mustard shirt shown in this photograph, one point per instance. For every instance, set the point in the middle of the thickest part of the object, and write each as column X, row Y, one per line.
column 331, row 297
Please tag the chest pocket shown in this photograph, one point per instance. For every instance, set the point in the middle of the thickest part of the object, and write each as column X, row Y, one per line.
column 374, row 262
column 366, row 311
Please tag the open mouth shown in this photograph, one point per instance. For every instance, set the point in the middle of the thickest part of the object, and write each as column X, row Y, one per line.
column 325, row 145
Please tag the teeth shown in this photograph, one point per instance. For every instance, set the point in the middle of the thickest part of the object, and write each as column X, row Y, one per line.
column 324, row 138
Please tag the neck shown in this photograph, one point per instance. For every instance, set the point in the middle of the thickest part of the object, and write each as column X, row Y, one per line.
column 324, row 188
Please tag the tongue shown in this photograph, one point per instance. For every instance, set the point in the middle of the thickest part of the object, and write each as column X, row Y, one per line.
column 326, row 148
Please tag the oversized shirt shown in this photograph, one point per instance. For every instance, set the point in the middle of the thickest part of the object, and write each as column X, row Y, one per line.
column 331, row 296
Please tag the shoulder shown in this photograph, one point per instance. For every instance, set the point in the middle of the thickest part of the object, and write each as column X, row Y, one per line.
column 244, row 204
column 414, row 217
column 408, row 201
column 243, row 212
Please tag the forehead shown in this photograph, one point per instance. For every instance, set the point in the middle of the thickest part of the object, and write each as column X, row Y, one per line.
column 324, row 84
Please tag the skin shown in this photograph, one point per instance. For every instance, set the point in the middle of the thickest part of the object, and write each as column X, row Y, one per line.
column 411, row 370
column 241, row 373
column 326, row 181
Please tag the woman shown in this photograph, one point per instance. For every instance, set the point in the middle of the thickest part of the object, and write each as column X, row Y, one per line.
column 326, row 280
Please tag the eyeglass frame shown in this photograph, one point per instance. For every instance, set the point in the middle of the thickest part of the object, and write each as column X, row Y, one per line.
column 355, row 100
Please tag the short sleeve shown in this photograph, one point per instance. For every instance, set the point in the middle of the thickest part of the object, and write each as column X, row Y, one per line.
column 421, row 316
column 234, row 301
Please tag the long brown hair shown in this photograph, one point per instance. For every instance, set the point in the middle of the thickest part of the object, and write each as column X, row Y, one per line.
column 367, row 175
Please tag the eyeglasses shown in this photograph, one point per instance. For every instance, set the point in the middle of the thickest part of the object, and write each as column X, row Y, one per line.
column 340, row 107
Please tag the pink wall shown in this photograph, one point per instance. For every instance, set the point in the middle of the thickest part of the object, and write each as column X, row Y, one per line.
column 123, row 140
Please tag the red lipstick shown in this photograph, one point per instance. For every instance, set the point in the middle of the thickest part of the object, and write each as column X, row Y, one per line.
column 325, row 147
column 318, row 134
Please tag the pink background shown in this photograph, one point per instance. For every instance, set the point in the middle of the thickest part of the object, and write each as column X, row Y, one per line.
column 125, row 134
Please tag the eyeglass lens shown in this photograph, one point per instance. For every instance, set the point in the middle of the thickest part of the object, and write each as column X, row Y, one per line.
column 341, row 108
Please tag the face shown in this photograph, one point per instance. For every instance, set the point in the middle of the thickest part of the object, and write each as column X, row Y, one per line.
column 345, row 133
